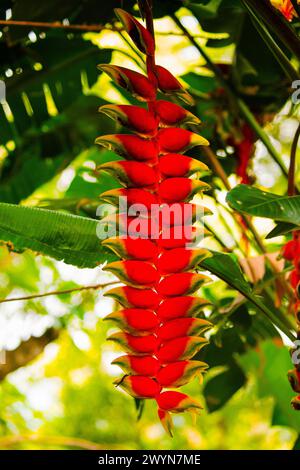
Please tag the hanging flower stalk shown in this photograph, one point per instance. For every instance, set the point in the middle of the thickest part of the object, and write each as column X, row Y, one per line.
column 291, row 252
column 159, row 320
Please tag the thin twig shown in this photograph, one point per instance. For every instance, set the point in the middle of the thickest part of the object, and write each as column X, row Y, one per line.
column 57, row 441
column 98, row 28
column 292, row 167
column 58, row 25
column 59, row 292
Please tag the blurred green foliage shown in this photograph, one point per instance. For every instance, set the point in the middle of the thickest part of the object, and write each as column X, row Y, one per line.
column 65, row 398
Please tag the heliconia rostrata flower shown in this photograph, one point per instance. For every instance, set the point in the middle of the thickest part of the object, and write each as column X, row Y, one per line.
column 160, row 330
column 291, row 252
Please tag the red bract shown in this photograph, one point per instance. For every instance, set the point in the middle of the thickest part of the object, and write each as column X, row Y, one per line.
column 131, row 174
column 137, row 273
column 138, row 119
column 135, row 82
column 181, row 284
column 139, row 386
column 179, row 373
column 158, row 323
column 170, row 114
column 291, row 252
column 180, row 307
column 127, row 248
column 138, row 34
column 131, row 147
column 185, row 166
column 180, row 189
column 170, row 85
column 176, row 402
column 175, row 140
column 180, row 348
column 140, row 365
column 180, row 259
column 136, row 344
column 135, row 319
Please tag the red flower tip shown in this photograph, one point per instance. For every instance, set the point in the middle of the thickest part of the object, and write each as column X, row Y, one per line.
column 177, row 402
column 132, row 297
column 183, row 327
column 134, row 320
column 177, row 307
column 177, row 140
column 166, row 421
column 294, row 379
column 131, row 147
column 138, row 34
column 176, row 165
column 135, row 344
column 296, row 403
column 295, row 278
column 135, row 118
column 136, row 83
column 181, row 284
column 180, row 373
column 139, row 386
column 141, row 249
column 133, row 195
column 180, row 189
column 289, row 250
column 170, row 114
column 181, row 259
column 170, row 85
column 140, row 365
column 132, row 272
column 180, row 349
column 130, row 174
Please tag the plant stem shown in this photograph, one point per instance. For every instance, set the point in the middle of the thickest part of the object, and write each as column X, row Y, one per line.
column 59, row 292
column 58, row 25
column 245, row 111
column 268, row 39
column 292, row 168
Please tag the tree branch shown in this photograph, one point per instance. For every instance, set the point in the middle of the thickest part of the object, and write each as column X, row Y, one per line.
column 59, row 292
column 25, row 352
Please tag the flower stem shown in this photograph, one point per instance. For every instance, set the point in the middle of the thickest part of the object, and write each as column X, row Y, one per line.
column 292, row 168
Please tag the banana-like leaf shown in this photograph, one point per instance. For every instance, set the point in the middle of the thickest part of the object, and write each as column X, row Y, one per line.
column 253, row 201
column 62, row 236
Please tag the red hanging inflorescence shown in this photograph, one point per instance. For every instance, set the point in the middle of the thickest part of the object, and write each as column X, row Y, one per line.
column 291, row 252
column 160, row 330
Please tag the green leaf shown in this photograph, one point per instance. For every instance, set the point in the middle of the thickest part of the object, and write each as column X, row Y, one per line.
column 220, row 388
column 205, row 9
column 62, row 236
column 269, row 366
column 253, row 201
column 226, row 267
column 282, row 228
